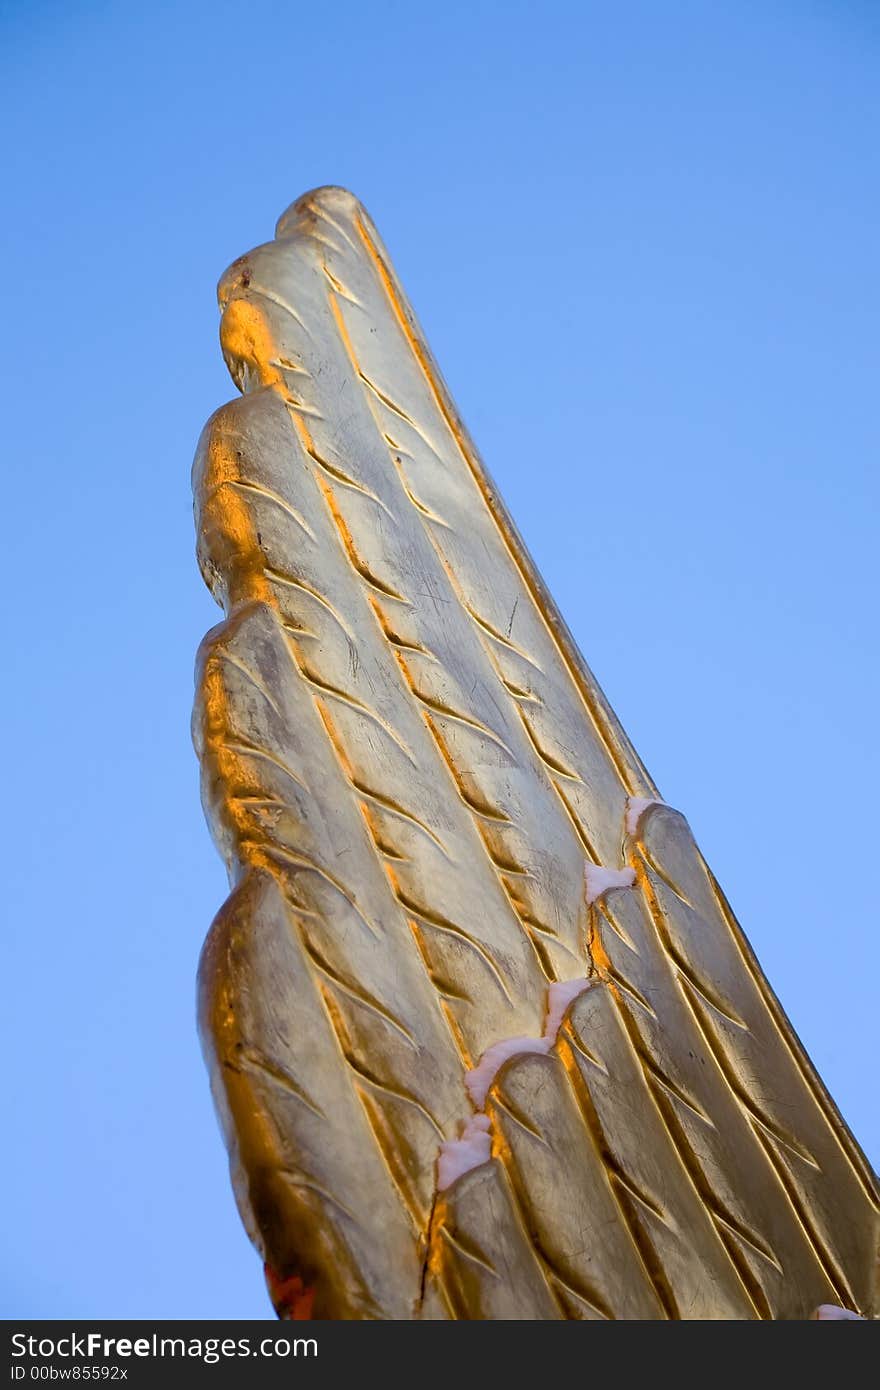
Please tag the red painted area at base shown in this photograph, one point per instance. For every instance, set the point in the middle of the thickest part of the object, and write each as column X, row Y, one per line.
column 290, row 1297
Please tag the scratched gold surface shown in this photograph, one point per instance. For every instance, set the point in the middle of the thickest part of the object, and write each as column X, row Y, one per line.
column 406, row 765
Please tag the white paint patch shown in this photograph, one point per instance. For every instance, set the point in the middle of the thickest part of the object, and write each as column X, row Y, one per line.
column 459, row 1156
column 559, row 996
column 600, row 880
column 829, row 1312
column 480, row 1079
column 636, row 807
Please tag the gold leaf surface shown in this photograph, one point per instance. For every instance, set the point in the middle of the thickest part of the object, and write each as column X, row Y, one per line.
column 408, row 768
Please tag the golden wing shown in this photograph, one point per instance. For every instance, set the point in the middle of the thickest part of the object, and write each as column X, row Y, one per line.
column 484, row 1036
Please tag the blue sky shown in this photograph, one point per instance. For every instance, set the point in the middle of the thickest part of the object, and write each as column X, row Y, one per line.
column 642, row 240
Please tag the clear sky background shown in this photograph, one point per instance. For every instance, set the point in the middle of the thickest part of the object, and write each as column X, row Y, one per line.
column 642, row 239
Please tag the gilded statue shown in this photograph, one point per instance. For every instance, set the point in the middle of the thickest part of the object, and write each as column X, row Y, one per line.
column 484, row 1036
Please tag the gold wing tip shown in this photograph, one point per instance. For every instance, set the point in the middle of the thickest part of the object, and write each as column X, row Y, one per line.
column 325, row 203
